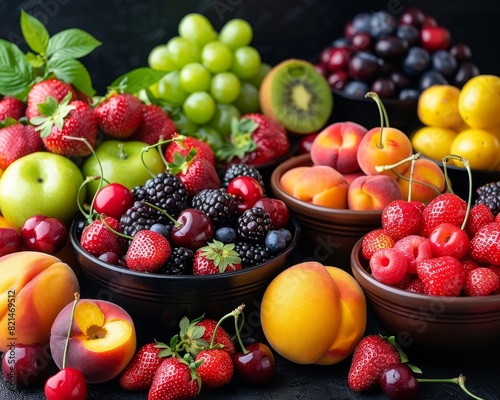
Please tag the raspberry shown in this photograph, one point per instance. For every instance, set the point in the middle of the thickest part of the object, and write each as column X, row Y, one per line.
column 388, row 266
column 414, row 248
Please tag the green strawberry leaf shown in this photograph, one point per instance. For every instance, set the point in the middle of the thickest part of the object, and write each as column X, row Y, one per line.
column 35, row 33
column 72, row 71
column 16, row 73
column 35, row 60
column 138, row 79
column 72, row 43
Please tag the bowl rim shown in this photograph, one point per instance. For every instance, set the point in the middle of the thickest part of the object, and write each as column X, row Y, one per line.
column 75, row 243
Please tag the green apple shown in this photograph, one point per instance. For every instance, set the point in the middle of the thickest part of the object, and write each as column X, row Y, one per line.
column 40, row 183
column 122, row 163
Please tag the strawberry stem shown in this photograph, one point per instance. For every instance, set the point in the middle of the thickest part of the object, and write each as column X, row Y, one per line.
column 384, row 119
column 66, row 345
column 176, row 138
column 460, row 381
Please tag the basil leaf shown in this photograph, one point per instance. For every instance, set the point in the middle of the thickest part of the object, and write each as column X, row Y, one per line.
column 35, row 33
column 72, row 71
column 16, row 74
column 73, row 43
column 138, row 79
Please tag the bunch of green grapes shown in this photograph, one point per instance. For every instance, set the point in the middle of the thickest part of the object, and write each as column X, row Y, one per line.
column 211, row 77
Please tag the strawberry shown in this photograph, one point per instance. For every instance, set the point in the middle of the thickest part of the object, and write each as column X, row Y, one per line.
column 371, row 356
column 222, row 338
column 140, row 371
column 68, row 118
column 469, row 264
column 414, row 247
column 216, row 367
column 255, row 139
column 38, row 94
column 174, row 379
column 11, row 107
column 375, row 240
column 441, row 276
column 496, row 270
column 155, row 125
column 479, row 215
column 16, row 141
column 481, row 282
column 119, row 114
column 401, row 218
column 415, row 286
column 98, row 239
column 485, row 245
column 388, row 266
column 446, row 207
column 215, row 258
column 148, row 251
column 183, row 147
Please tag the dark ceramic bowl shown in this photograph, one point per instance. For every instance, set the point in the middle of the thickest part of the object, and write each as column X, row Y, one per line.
column 331, row 232
column 438, row 325
column 157, row 302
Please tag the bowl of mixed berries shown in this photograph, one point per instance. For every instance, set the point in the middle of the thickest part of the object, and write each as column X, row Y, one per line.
column 431, row 273
column 184, row 243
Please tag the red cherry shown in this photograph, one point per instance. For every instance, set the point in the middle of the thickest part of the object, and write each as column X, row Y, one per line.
column 339, row 58
column 10, row 241
column 67, row 384
column 435, row 38
column 338, row 80
column 304, row 145
column 44, row 234
column 246, row 190
column 256, row 365
column 193, row 229
column 277, row 210
column 399, row 383
column 113, row 200
column 449, row 240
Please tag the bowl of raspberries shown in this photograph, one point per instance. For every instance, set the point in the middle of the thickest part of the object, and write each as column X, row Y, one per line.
column 185, row 244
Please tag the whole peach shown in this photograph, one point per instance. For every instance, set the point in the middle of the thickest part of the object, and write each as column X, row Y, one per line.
column 372, row 192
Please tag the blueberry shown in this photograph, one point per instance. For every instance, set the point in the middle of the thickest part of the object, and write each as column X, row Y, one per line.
column 356, row 89
column 275, row 241
column 444, row 62
column 161, row 229
column 381, row 24
column 409, row 94
column 430, row 78
column 286, row 234
column 360, row 22
column 408, row 33
column 225, row 235
column 416, row 61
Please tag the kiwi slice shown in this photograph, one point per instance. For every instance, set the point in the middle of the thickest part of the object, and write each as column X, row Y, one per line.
column 297, row 95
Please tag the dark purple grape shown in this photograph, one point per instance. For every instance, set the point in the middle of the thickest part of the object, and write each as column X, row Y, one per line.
column 384, row 87
column 381, row 24
column 444, row 62
column 391, row 47
column 400, row 79
column 399, row 383
column 360, row 22
column 461, row 52
column 430, row 78
column 409, row 94
column 363, row 66
column 416, row 61
column 356, row 89
column 408, row 33
column 465, row 71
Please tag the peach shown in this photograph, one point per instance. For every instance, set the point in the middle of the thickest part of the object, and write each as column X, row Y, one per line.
column 352, row 322
column 353, row 175
column 372, row 192
column 425, row 172
column 102, row 340
column 337, row 146
column 287, row 180
column 34, row 287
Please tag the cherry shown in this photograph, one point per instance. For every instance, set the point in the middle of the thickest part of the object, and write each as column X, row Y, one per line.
column 461, row 52
column 255, row 364
column 10, row 241
column 384, row 87
column 361, row 41
column 399, row 383
column 449, row 240
column 110, row 258
column 113, row 200
column 434, row 38
column 277, row 210
column 192, row 229
column 339, row 58
column 391, row 47
column 412, row 16
column 246, row 190
column 305, row 142
column 324, row 56
column 338, row 80
column 465, row 71
column 44, row 234
column 363, row 66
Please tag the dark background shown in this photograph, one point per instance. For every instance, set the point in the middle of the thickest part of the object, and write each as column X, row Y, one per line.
column 129, row 29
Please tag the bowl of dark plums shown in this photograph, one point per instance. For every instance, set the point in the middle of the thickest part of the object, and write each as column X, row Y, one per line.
column 395, row 56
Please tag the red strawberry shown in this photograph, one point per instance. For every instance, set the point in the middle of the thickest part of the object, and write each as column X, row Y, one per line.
column 371, row 356
column 216, row 368
column 446, row 207
column 496, row 270
column 414, row 248
column 11, row 107
column 156, row 125
column 148, row 251
column 216, row 258
column 98, row 239
column 222, row 338
column 139, row 373
column 75, row 119
column 481, row 282
column 183, row 147
column 485, row 245
column 497, row 218
column 174, row 379
column 469, row 264
column 255, row 139
column 375, row 240
column 415, row 286
column 388, row 266
column 17, row 141
column 401, row 218
column 119, row 115
column 441, row 276
column 39, row 92
column 479, row 215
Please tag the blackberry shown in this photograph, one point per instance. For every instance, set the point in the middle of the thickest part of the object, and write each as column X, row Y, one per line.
column 219, row 205
column 180, row 262
column 141, row 216
column 254, row 224
column 489, row 195
column 235, row 170
column 165, row 191
column 251, row 253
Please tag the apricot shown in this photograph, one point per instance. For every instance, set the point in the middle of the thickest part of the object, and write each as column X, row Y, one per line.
column 288, row 179
column 372, row 192
column 428, row 181
column 34, row 287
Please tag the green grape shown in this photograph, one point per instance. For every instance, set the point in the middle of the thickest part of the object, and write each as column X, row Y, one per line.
column 246, row 62
column 199, row 107
column 224, row 114
column 248, row 99
column 197, row 28
column 159, row 58
column 210, row 136
column 236, row 33
column 194, row 77
column 225, row 87
column 183, row 51
column 169, row 88
column 217, row 57
column 257, row 79
column 183, row 124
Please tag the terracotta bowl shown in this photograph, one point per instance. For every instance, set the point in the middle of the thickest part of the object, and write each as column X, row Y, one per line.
column 157, row 302
column 331, row 232
column 452, row 326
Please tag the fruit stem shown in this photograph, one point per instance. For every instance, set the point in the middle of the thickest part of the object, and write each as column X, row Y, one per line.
column 460, row 381
column 384, row 119
column 466, row 164
column 66, row 345
column 238, row 336
column 177, row 138
column 235, row 313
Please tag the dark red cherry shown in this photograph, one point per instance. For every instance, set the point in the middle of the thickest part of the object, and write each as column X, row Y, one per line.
column 67, row 384
column 412, row 16
column 277, row 210
column 361, row 41
column 338, row 80
column 363, row 66
column 10, row 241
column 461, row 52
column 193, row 229
column 305, row 142
column 113, row 200
column 384, row 87
column 399, row 383
column 256, row 365
column 44, row 234
column 339, row 58
column 246, row 190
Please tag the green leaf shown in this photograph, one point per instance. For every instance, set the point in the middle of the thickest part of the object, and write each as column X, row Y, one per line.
column 16, row 74
column 35, row 33
column 73, row 43
column 72, row 71
column 35, row 60
column 138, row 79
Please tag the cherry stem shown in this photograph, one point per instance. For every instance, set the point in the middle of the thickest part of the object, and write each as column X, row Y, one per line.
column 384, row 119
column 238, row 336
column 235, row 313
column 466, row 164
column 177, row 138
column 66, row 345
column 460, row 381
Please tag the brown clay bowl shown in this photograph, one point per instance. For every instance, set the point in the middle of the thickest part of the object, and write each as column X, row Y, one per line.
column 456, row 326
column 331, row 232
